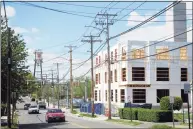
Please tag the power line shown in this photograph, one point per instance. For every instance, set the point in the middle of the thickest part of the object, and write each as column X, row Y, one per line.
column 89, row 6
column 155, row 43
column 131, row 11
column 146, row 21
column 159, row 53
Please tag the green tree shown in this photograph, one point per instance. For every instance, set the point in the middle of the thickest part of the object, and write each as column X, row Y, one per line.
column 19, row 70
column 79, row 91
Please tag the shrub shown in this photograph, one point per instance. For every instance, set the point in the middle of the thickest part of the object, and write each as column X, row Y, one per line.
column 165, row 103
column 125, row 113
column 152, row 115
column 74, row 112
column 121, row 113
column 161, row 127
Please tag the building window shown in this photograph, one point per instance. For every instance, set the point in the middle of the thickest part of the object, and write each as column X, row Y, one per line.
column 99, row 59
column 162, row 93
column 137, row 54
column 111, row 76
column 116, row 95
column 111, row 95
column 105, row 95
column 123, row 54
column 96, row 78
column 111, row 56
column 183, row 53
column 139, row 96
column 115, row 75
column 99, row 78
column 184, row 74
column 122, row 95
column 138, row 74
column 115, row 54
column 105, row 77
column 184, row 96
column 96, row 60
column 99, row 95
column 95, row 95
column 162, row 74
column 124, row 74
column 162, row 54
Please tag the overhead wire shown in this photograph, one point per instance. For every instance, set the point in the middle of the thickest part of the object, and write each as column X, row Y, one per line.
column 131, row 11
column 160, row 52
column 147, row 20
column 158, row 42
column 89, row 6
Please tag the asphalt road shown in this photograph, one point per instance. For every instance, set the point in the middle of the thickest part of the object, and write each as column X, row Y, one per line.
column 37, row 121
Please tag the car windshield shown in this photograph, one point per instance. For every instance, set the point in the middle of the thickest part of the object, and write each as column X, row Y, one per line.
column 33, row 106
column 27, row 104
column 55, row 111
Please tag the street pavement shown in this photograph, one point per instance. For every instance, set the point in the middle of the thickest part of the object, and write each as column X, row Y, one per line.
column 37, row 121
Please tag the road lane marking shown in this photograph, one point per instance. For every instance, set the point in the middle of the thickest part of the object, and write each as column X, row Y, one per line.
column 85, row 127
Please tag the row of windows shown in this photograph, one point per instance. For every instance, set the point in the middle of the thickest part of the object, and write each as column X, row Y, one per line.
column 139, row 95
column 161, row 54
column 138, row 74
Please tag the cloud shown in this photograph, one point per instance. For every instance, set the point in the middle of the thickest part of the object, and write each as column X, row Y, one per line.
column 20, row 30
column 28, row 39
column 34, row 30
column 134, row 17
column 10, row 11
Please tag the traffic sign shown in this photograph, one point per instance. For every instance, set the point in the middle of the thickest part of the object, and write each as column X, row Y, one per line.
column 171, row 99
column 186, row 88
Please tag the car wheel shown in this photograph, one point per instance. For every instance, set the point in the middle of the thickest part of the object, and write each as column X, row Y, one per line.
column 49, row 121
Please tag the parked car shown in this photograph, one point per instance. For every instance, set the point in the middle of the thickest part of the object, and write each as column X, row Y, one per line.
column 33, row 109
column 42, row 105
column 54, row 115
column 3, row 120
column 26, row 106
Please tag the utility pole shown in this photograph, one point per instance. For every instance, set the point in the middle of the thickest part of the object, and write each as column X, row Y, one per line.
column 71, row 83
column 91, row 41
column 52, row 84
column 9, row 61
column 58, row 80
column 108, row 50
column 35, row 64
column 192, row 67
column 67, row 97
column 0, row 43
column 85, row 90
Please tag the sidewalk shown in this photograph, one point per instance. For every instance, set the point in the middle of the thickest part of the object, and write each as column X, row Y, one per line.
column 98, row 118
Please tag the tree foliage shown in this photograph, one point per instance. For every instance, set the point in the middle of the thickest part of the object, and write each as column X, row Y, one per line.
column 19, row 70
column 79, row 91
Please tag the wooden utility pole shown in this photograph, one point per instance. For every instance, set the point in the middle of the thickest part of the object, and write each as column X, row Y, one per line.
column 108, row 52
column 9, row 62
column 71, row 81
column 91, row 41
column 58, row 80
column 52, row 84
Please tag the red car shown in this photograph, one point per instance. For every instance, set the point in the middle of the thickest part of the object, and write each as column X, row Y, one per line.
column 54, row 115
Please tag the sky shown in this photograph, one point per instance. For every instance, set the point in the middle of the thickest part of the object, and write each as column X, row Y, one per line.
column 51, row 31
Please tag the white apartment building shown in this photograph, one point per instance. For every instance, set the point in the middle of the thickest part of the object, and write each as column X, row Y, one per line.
column 141, row 75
